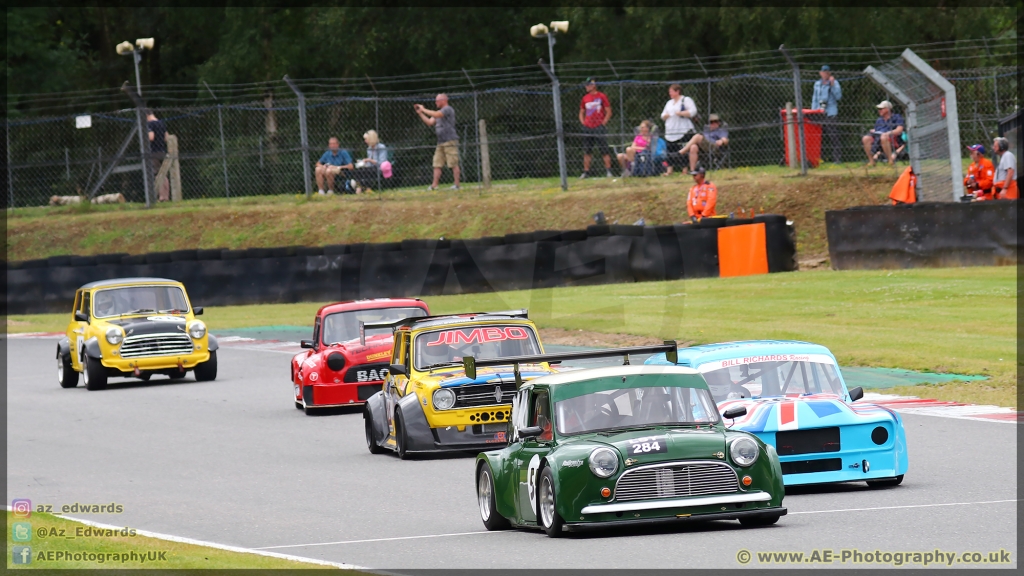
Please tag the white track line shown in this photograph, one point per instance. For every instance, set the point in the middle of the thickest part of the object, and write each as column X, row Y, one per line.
column 183, row 540
column 497, row 532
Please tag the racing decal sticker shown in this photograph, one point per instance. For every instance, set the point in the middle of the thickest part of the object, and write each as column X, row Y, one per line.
column 531, row 481
column 371, row 375
column 499, row 438
column 313, row 376
column 379, row 355
column 165, row 318
column 648, row 445
column 572, row 463
column 787, row 415
column 479, row 335
column 719, row 364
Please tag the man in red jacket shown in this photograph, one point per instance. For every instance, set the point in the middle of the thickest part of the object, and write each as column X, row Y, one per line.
column 979, row 174
column 700, row 202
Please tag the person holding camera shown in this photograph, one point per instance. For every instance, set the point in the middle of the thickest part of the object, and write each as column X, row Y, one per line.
column 979, row 174
column 827, row 94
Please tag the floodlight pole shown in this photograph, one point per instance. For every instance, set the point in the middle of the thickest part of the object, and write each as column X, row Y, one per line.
column 137, row 57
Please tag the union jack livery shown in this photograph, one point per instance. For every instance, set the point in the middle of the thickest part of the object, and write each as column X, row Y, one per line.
column 796, row 400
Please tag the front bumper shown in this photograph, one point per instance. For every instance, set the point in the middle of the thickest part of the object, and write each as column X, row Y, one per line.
column 470, row 438
column 641, row 505
column 152, row 363
column 844, row 466
column 728, row 515
column 341, row 394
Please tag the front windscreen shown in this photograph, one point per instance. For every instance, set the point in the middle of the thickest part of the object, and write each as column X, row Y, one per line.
column 344, row 326
column 634, row 407
column 773, row 378
column 450, row 345
column 139, row 300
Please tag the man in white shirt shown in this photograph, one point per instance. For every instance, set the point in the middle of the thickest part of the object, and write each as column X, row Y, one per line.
column 1005, row 185
column 678, row 116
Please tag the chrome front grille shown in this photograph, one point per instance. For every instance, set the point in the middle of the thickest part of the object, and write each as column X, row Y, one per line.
column 147, row 345
column 676, row 480
column 484, row 394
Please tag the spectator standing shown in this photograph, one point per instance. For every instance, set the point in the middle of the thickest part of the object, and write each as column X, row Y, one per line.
column 1005, row 187
column 884, row 136
column 367, row 169
column 333, row 162
column 715, row 135
column 826, row 97
column 157, row 152
column 447, row 151
column 979, row 174
column 641, row 142
column 595, row 112
column 700, row 202
column 678, row 116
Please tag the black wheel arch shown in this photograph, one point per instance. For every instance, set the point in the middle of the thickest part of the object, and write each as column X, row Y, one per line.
column 417, row 431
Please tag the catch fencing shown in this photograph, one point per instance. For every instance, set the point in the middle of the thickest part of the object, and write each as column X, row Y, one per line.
column 246, row 140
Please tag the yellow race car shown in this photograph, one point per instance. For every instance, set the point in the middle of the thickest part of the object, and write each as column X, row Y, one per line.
column 428, row 403
column 134, row 327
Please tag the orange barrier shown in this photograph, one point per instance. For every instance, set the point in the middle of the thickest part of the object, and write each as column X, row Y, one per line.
column 742, row 250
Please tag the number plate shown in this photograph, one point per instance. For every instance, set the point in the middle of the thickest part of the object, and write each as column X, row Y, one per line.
column 649, row 445
column 493, row 428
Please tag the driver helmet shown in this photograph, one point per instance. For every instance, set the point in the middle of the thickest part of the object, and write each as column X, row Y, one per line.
column 104, row 304
column 721, row 385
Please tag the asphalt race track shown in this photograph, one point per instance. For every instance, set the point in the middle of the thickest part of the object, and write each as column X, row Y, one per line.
column 232, row 461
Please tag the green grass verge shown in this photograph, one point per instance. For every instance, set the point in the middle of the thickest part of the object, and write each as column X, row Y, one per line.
column 951, row 320
column 63, row 537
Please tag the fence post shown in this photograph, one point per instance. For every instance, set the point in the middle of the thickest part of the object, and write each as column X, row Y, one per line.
column 476, row 118
column 302, row 134
column 556, row 96
column 799, row 110
column 485, row 154
column 376, row 116
column 223, row 149
column 143, row 152
column 790, row 137
column 622, row 101
column 10, row 170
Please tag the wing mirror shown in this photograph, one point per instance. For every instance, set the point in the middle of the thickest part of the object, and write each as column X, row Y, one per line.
column 530, row 432
column 734, row 413
column 856, row 394
column 305, row 343
column 197, row 310
column 398, row 369
column 81, row 316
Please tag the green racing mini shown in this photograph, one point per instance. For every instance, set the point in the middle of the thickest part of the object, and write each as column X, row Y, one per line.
column 625, row 444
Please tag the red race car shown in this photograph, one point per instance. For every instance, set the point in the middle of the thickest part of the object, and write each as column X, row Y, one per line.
column 345, row 364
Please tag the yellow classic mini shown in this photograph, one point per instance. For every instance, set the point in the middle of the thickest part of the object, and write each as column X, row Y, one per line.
column 134, row 327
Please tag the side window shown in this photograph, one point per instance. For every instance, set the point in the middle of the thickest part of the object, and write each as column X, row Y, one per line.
column 406, row 341
column 540, row 415
column 78, row 301
column 85, row 303
column 316, row 333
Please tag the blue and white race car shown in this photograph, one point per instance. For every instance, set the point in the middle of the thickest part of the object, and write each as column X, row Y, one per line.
column 792, row 396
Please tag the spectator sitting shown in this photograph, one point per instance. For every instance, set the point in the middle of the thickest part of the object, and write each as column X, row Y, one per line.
column 1005, row 187
column 979, row 174
column 333, row 162
column 641, row 142
column 367, row 169
column 714, row 135
column 884, row 136
column 700, row 202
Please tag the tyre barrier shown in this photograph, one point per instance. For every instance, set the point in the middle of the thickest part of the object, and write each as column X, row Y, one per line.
column 926, row 234
column 542, row 259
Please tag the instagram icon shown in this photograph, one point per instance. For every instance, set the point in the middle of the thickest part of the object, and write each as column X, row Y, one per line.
column 21, row 507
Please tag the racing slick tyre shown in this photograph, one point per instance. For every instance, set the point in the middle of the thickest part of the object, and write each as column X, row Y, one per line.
column 400, row 439
column 372, row 443
column 207, row 371
column 95, row 375
column 485, row 498
column 886, row 483
column 145, row 376
column 754, row 521
column 66, row 375
column 547, row 513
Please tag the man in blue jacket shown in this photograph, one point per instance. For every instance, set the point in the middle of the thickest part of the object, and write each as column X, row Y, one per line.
column 827, row 94
column 332, row 163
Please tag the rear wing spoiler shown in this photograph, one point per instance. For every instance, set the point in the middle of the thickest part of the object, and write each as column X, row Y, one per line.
column 670, row 348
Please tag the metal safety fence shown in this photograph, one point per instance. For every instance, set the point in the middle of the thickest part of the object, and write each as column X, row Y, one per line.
column 246, row 140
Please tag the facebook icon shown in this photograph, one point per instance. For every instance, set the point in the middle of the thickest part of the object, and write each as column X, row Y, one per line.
column 21, row 554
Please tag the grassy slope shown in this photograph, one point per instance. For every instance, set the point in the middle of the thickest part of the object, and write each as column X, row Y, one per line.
column 178, row 555
column 519, row 206
column 958, row 320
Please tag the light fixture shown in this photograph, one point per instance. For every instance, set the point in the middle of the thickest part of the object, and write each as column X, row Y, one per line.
column 560, row 26
column 148, row 43
column 125, row 48
column 538, row 30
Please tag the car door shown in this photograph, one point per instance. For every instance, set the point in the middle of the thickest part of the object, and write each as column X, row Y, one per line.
column 532, row 451
column 395, row 384
column 77, row 335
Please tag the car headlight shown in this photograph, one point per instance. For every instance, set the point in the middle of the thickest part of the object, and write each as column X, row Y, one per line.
column 603, row 462
column 115, row 335
column 197, row 330
column 444, row 399
column 743, row 451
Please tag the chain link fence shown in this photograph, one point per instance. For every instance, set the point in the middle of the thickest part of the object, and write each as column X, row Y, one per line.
column 245, row 140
